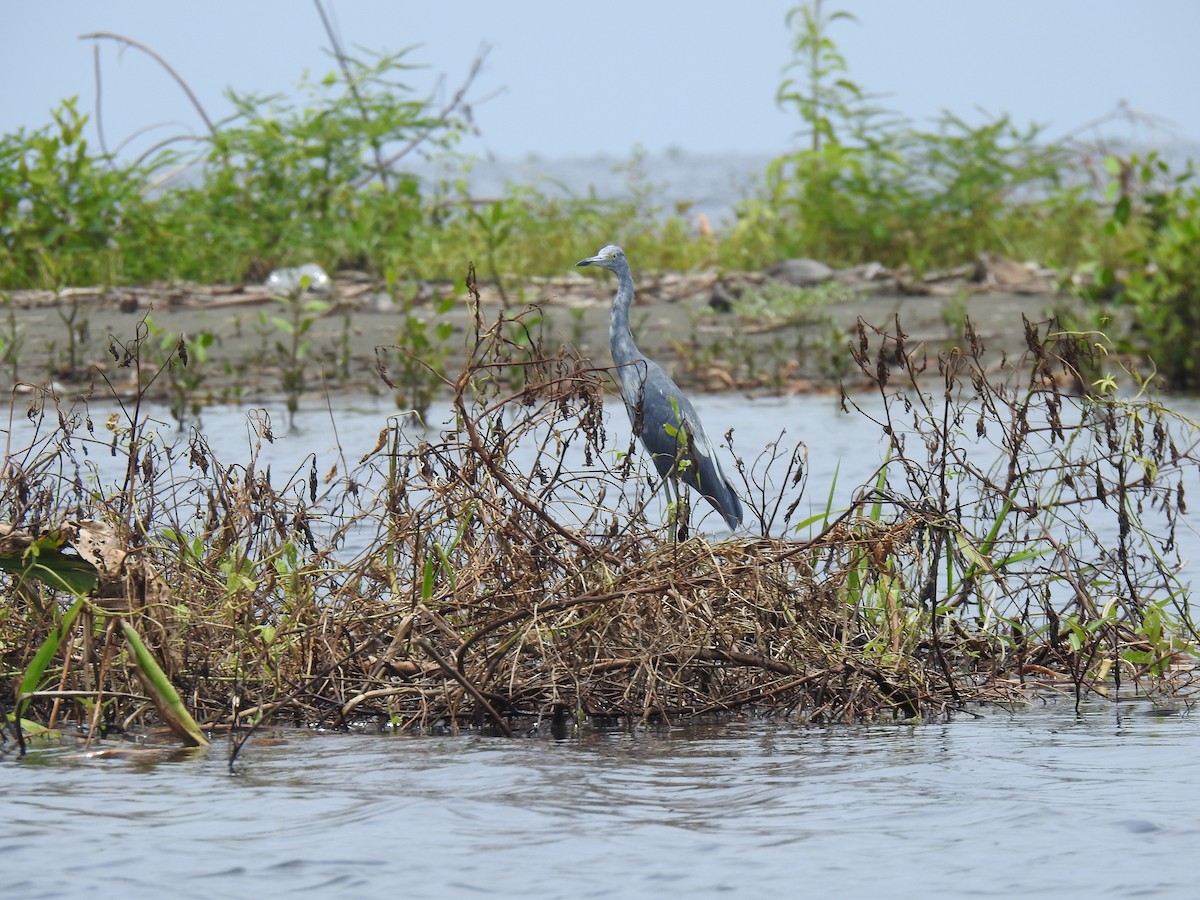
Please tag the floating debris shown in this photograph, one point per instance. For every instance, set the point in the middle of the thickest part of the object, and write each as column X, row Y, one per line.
column 285, row 281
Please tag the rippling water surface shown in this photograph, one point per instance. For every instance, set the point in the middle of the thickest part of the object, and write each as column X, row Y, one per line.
column 1038, row 803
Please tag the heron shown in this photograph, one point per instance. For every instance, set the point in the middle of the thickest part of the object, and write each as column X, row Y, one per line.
column 661, row 414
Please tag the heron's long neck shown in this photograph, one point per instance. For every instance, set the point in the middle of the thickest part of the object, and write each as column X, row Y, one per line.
column 620, row 338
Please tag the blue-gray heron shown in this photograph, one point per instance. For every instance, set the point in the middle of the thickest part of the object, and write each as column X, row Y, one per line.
column 662, row 416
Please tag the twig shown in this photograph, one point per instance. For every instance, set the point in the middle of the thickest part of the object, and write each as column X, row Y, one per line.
column 352, row 86
column 466, row 683
column 455, row 102
column 108, row 36
column 99, row 112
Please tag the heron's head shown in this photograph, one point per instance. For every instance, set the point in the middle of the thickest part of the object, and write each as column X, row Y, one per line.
column 610, row 257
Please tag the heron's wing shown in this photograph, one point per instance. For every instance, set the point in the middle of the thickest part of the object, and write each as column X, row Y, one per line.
column 671, row 430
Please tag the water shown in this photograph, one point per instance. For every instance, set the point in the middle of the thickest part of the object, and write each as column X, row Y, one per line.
column 352, row 429
column 674, row 183
column 845, row 450
column 1039, row 803
column 1035, row 803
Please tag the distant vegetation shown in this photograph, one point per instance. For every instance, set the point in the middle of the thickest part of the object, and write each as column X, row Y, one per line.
column 328, row 178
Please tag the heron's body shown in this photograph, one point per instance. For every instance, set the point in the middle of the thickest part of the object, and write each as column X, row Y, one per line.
column 661, row 414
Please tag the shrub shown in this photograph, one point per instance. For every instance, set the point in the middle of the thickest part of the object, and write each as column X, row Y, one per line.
column 1155, row 224
column 64, row 211
column 867, row 186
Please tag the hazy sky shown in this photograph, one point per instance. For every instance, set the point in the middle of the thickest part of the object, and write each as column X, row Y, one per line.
column 581, row 79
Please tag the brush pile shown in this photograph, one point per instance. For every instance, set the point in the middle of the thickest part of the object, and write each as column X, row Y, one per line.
column 1018, row 537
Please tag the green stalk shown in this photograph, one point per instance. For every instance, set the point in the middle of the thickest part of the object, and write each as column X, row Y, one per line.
column 166, row 699
column 37, row 666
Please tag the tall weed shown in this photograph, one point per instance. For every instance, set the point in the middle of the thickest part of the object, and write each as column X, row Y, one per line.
column 868, row 186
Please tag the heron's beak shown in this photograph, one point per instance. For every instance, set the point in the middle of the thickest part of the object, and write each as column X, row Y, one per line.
column 590, row 261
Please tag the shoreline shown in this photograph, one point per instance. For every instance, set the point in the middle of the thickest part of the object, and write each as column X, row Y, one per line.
column 237, row 344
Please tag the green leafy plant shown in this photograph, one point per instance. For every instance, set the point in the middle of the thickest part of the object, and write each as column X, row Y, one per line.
column 279, row 181
column 63, row 209
column 495, row 222
column 869, row 187
column 421, row 348
column 284, row 181
column 301, row 310
column 1156, row 221
column 778, row 303
column 821, row 92
column 77, row 329
column 42, row 559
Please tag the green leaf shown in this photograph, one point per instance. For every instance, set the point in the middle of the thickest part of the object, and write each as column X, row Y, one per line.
column 427, row 579
column 1122, row 210
column 32, row 678
column 44, row 560
column 1023, row 555
column 35, row 730
column 166, row 699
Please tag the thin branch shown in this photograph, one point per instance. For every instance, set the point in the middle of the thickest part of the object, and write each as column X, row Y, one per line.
column 340, row 55
column 163, row 143
column 455, row 102
column 462, row 679
column 108, row 36
column 99, row 114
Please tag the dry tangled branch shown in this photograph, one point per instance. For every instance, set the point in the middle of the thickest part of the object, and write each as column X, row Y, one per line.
column 502, row 572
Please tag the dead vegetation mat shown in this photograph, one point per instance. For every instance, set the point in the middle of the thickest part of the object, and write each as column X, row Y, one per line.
column 512, row 569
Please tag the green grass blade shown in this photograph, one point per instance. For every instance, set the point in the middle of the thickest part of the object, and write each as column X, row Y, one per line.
column 41, row 660
column 825, row 515
column 162, row 692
